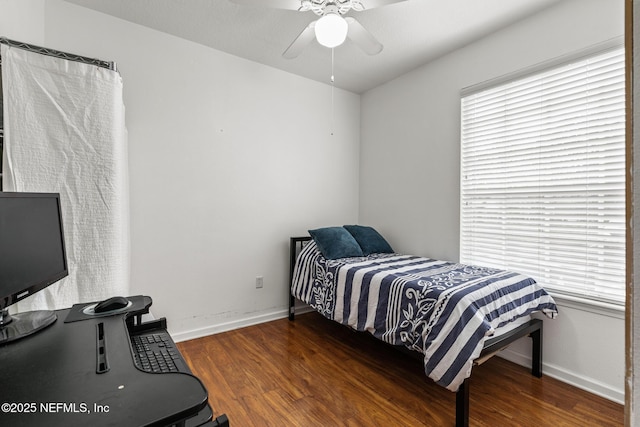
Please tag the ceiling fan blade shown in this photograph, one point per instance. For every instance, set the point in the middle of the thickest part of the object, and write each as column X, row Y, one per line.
column 372, row 4
column 363, row 38
column 303, row 39
column 277, row 4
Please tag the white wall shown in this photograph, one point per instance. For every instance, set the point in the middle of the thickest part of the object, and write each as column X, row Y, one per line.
column 409, row 169
column 227, row 160
column 22, row 20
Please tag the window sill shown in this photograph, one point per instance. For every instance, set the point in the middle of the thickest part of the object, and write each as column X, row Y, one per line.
column 600, row 308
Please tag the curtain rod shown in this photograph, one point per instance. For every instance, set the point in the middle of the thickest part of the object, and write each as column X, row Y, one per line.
column 58, row 54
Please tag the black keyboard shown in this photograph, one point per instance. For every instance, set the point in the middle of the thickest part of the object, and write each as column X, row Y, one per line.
column 156, row 352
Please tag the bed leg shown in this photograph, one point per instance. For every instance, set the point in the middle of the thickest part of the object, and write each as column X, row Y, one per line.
column 462, row 405
column 536, row 356
column 292, row 307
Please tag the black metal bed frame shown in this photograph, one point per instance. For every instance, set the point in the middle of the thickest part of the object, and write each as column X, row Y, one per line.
column 532, row 329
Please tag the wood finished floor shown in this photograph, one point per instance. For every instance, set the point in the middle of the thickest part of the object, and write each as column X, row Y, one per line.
column 314, row 372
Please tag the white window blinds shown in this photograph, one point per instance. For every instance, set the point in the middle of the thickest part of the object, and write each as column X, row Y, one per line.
column 543, row 177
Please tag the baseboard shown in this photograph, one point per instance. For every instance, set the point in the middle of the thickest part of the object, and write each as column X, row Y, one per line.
column 236, row 324
column 577, row 380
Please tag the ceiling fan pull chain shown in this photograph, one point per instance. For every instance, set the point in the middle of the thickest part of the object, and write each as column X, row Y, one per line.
column 332, row 94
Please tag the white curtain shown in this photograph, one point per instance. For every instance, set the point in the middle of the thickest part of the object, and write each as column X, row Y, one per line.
column 65, row 133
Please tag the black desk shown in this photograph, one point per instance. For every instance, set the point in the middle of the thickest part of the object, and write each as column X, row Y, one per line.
column 50, row 379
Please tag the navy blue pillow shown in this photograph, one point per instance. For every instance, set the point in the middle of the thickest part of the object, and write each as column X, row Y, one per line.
column 335, row 242
column 370, row 241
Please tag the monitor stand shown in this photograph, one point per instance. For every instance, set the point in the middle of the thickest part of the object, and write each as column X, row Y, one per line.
column 19, row 325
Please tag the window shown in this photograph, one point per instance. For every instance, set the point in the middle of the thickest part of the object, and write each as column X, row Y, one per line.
column 543, row 176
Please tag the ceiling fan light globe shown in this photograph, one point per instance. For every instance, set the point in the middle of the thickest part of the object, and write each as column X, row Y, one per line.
column 331, row 30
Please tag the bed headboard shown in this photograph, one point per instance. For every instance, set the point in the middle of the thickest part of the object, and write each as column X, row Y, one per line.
column 295, row 246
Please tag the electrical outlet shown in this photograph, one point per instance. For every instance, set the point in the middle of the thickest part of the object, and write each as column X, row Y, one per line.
column 259, row 282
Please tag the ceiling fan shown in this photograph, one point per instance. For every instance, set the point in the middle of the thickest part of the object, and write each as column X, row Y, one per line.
column 331, row 29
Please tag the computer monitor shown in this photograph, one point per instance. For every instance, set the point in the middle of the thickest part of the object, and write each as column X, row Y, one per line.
column 32, row 257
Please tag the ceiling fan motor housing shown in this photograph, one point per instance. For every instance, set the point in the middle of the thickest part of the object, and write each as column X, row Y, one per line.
column 323, row 7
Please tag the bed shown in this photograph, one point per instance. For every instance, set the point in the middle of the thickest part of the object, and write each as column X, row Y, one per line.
column 454, row 315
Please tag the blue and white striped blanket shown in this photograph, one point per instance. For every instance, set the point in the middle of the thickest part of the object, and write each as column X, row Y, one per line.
column 444, row 310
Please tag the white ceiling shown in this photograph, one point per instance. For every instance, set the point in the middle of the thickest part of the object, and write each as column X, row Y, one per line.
column 413, row 32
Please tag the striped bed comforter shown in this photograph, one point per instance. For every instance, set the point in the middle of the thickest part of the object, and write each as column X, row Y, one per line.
column 443, row 310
